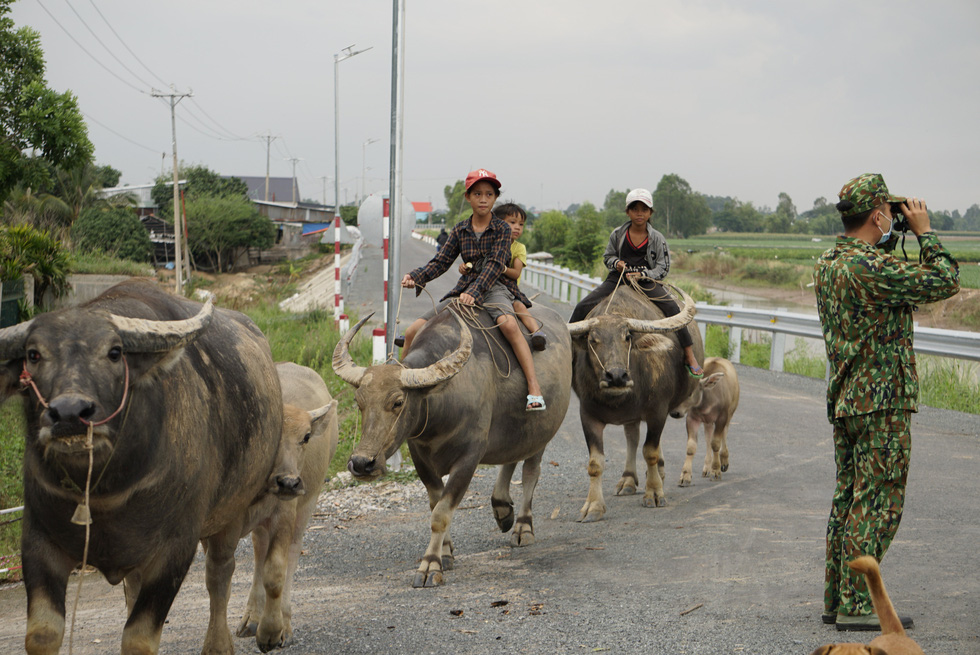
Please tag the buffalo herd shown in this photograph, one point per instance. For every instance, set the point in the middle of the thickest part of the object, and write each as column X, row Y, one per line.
column 156, row 424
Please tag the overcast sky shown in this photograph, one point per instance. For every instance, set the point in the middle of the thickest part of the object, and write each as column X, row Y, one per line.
column 563, row 99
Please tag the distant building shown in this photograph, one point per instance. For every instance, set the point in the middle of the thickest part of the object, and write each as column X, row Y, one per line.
column 162, row 238
column 281, row 189
column 422, row 211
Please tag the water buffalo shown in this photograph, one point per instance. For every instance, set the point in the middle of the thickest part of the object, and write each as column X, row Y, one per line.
column 713, row 403
column 309, row 440
column 182, row 407
column 628, row 367
column 458, row 400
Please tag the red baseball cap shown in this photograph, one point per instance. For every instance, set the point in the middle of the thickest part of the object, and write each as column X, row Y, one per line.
column 482, row 175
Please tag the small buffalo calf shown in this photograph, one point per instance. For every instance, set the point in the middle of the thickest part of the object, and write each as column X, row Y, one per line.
column 713, row 403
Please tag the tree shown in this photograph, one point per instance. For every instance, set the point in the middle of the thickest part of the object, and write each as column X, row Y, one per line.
column 550, row 232
column 941, row 220
column 781, row 220
column 348, row 214
column 971, row 219
column 200, row 181
column 457, row 208
column 113, row 230
column 35, row 118
column 221, row 228
column 107, row 176
column 585, row 240
column 678, row 209
column 614, row 209
column 738, row 216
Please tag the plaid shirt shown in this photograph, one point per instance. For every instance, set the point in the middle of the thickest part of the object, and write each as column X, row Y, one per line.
column 492, row 249
column 865, row 298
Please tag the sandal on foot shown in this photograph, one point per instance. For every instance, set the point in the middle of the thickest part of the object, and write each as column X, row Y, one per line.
column 697, row 373
column 538, row 340
column 533, row 400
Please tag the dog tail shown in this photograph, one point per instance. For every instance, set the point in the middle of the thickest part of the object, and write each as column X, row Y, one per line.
column 890, row 623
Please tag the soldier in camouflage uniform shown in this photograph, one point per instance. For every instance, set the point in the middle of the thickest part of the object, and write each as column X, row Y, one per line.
column 865, row 298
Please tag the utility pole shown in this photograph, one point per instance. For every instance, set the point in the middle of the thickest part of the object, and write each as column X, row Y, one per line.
column 324, row 178
column 178, row 223
column 294, row 160
column 268, row 143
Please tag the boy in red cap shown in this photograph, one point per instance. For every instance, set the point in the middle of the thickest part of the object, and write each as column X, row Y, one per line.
column 483, row 240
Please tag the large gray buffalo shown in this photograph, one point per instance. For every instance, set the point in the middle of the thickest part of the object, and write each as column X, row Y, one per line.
column 458, row 399
column 628, row 367
column 183, row 407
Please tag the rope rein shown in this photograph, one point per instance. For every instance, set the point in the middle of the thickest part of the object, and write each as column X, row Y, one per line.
column 83, row 512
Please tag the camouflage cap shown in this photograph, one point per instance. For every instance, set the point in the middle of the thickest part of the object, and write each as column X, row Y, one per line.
column 866, row 192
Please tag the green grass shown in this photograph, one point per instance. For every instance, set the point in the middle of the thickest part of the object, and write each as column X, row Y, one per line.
column 11, row 485
column 102, row 264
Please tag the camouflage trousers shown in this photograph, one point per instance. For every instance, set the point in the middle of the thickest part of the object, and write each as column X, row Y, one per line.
column 872, row 456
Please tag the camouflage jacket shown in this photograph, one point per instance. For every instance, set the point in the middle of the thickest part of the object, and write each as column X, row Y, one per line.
column 865, row 298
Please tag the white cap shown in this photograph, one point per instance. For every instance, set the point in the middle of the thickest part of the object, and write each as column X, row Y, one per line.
column 642, row 195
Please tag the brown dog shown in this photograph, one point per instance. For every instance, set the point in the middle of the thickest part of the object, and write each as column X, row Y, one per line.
column 892, row 640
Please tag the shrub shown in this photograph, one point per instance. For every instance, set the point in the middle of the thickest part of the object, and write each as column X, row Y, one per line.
column 25, row 250
column 116, row 231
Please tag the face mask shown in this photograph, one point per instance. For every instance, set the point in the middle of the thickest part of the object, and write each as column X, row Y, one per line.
column 885, row 235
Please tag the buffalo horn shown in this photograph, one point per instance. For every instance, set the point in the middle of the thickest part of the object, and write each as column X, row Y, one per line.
column 669, row 323
column 343, row 364
column 445, row 368
column 146, row 336
column 666, row 324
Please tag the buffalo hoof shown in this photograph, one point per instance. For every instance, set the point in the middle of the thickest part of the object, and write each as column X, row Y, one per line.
column 705, row 471
column 521, row 538
column 591, row 512
column 659, row 501
column 626, row 487
column 430, row 579
column 724, row 468
column 684, row 482
column 265, row 645
column 246, row 628
column 716, row 476
column 448, row 562
column 503, row 513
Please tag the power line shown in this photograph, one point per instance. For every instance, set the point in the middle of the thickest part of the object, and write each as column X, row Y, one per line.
column 226, row 130
column 124, row 138
column 160, row 79
column 106, row 68
column 184, row 110
column 111, row 53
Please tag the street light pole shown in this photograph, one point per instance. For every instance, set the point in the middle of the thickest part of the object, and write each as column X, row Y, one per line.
column 346, row 53
column 363, row 164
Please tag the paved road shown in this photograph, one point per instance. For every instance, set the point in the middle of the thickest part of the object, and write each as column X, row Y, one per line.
column 734, row 566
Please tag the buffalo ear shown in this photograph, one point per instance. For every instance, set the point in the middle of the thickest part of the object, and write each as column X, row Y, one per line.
column 712, row 380
column 651, row 341
column 9, row 378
